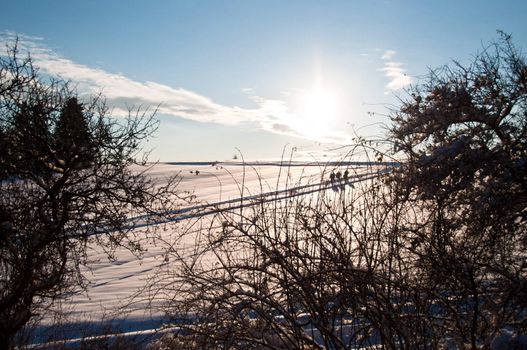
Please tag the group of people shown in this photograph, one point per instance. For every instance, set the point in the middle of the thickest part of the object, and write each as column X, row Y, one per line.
column 338, row 180
column 338, row 176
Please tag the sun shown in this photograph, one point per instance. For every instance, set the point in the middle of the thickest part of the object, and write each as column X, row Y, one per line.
column 318, row 110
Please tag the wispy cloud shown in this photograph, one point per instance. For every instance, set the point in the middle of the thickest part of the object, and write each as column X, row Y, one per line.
column 388, row 54
column 122, row 92
column 394, row 71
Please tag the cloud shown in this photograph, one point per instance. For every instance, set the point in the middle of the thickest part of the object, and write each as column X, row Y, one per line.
column 122, row 92
column 282, row 128
column 395, row 72
column 388, row 54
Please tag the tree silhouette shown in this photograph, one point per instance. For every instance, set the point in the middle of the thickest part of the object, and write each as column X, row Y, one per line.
column 430, row 255
column 69, row 175
column 463, row 135
column 72, row 134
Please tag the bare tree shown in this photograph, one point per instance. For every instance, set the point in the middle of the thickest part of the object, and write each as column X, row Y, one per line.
column 69, row 175
column 463, row 135
column 430, row 255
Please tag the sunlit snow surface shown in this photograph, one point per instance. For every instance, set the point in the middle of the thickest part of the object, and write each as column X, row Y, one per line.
column 116, row 287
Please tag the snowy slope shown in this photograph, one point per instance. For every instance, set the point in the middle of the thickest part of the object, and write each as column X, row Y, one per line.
column 114, row 283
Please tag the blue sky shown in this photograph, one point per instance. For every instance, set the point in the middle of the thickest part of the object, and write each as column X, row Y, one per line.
column 254, row 75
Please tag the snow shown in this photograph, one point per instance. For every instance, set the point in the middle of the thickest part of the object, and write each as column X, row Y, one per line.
column 114, row 283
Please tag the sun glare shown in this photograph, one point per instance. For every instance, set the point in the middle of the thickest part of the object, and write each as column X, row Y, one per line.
column 318, row 111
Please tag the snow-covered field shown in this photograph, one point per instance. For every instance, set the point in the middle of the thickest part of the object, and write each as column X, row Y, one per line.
column 115, row 288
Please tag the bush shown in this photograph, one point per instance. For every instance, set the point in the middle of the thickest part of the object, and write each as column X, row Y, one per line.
column 429, row 255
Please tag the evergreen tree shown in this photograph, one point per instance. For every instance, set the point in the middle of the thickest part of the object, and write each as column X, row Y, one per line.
column 72, row 134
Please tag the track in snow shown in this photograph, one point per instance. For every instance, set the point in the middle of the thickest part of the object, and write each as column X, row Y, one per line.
column 202, row 210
